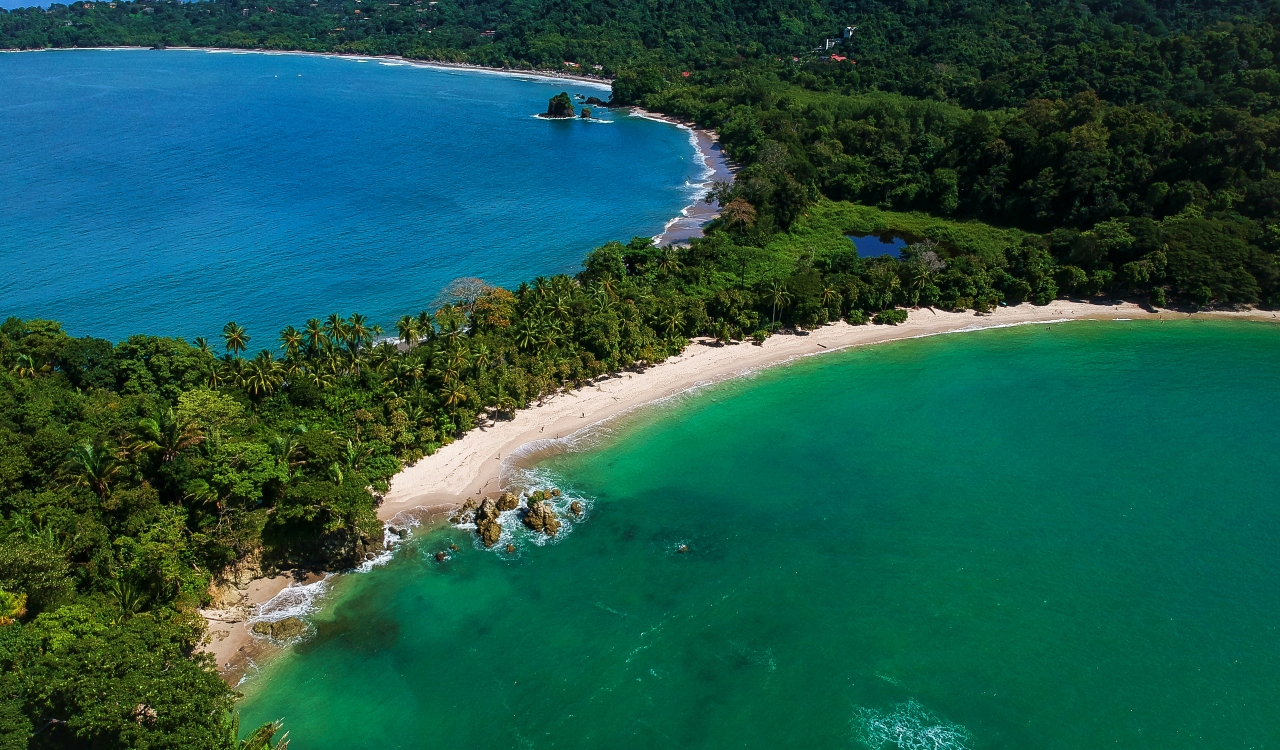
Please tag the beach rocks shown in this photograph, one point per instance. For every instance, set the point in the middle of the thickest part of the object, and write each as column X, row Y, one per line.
column 508, row 501
column 465, row 514
column 281, row 630
column 540, row 516
column 487, row 525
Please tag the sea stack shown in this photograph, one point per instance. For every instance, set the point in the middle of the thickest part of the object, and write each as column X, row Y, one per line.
column 586, row 113
column 560, row 106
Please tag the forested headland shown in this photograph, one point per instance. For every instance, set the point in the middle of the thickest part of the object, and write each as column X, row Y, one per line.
column 1029, row 152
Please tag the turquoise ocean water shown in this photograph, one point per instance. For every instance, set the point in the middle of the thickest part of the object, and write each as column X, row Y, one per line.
column 169, row 192
column 1021, row 538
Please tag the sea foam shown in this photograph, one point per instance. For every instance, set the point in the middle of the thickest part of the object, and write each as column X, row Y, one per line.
column 908, row 726
column 294, row 601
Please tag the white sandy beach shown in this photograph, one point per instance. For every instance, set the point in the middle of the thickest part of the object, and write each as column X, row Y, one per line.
column 472, row 466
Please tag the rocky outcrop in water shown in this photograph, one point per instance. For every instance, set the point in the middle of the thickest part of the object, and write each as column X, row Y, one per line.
column 281, row 630
column 540, row 516
column 508, row 501
column 595, row 101
column 487, row 525
column 575, row 508
column 560, row 106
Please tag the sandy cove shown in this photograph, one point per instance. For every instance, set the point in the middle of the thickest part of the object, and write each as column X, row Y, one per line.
column 471, row 466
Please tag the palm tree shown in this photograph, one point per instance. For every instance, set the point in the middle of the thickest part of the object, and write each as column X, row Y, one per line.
column 235, row 337
column 316, row 337
column 426, row 326
column 359, row 331
column 336, row 327
column 454, row 394
column 673, row 320
column 286, row 447
column 382, row 356
column 167, row 435
column 262, row 376
column 95, row 466
column 291, row 341
column 481, row 357
column 540, row 286
column 404, row 372
column 407, row 328
column 203, row 345
column 669, row 263
column 451, row 323
column 503, row 400
column 549, row 335
column 562, row 306
column 233, row 371
column 779, row 295
column 527, row 333
column 601, row 299
column 318, row 378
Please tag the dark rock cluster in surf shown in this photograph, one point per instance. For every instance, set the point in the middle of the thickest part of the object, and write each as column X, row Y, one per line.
column 538, row 515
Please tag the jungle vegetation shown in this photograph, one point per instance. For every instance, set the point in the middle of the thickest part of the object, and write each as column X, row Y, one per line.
column 1028, row 152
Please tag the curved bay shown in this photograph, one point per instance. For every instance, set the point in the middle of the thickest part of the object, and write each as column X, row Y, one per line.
column 1018, row 538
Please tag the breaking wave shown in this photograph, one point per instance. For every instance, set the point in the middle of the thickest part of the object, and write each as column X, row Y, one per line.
column 908, row 726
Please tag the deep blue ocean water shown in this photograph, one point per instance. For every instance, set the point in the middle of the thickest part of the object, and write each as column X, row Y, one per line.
column 169, row 192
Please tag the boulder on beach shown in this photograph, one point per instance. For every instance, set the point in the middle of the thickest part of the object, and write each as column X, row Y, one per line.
column 281, row 630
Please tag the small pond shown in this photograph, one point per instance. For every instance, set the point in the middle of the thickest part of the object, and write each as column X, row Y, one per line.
column 871, row 245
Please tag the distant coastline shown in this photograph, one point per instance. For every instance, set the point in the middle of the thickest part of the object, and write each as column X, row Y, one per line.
column 596, row 81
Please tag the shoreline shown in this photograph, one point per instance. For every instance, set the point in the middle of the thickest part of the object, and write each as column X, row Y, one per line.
column 474, row 465
column 604, row 83
column 717, row 168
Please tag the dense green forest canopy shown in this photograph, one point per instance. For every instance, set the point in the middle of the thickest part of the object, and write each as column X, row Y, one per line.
column 1028, row 151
